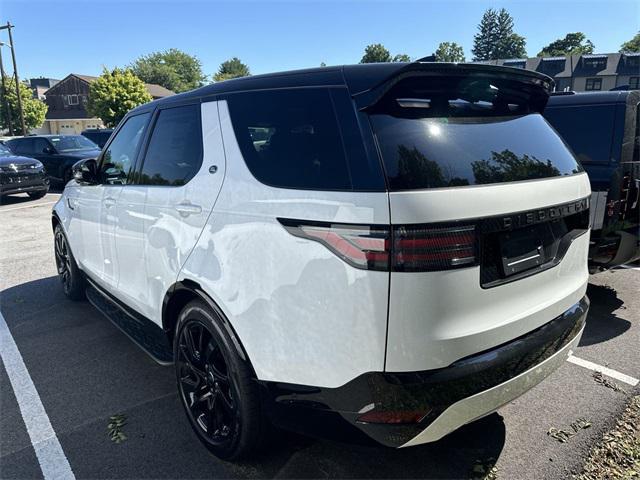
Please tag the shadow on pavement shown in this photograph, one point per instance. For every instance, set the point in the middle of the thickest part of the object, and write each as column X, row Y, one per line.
column 477, row 445
column 86, row 370
column 602, row 323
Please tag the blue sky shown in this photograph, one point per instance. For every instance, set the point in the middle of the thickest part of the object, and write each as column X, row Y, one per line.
column 56, row 38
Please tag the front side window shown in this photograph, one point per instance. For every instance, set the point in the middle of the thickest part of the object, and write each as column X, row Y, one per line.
column 41, row 145
column 120, row 155
column 593, row 84
column 174, row 154
column 291, row 138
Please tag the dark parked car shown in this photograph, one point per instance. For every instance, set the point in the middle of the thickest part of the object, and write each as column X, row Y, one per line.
column 603, row 129
column 58, row 153
column 98, row 136
column 21, row 175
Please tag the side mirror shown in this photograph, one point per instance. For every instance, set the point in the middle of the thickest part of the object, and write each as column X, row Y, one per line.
column 48, row 150
column 85, row 172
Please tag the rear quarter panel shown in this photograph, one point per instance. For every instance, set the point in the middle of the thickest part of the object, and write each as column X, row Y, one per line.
column 303, row 315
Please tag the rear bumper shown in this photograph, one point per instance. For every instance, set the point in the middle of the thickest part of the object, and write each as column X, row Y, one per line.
column 442, row 399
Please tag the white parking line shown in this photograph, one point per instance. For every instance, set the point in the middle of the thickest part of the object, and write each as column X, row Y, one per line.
column 27, row 206
column 604, row 370
column 52, row 460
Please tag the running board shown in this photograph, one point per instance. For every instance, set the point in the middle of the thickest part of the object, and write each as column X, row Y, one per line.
column 142, row 331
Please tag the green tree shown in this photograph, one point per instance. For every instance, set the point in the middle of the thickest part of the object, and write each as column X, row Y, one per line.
column 417, row 170
column 572, row 43
column 496, row 38
column 34, row 110
column 632, row 46
column 506, row 166
column 173, row 69
column 114, row 93
column 377, row 53
column 401, row 57
column 449, row 52
column 232, row 68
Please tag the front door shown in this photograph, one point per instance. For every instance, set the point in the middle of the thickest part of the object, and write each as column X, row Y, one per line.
column 98, row 206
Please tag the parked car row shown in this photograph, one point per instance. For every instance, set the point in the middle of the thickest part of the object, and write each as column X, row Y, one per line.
column 55, row 155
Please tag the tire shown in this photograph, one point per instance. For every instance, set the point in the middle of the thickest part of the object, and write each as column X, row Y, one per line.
column 70, row 275
column 37, row 195
column 216, row 386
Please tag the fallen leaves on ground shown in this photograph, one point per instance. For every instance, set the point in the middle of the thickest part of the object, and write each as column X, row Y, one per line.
column 617, row 455
column 485, row 470
column 563, row 435
column 116, row 423
column 599, row 378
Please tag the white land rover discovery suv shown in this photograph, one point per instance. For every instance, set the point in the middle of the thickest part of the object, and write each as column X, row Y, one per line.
column 383, row 251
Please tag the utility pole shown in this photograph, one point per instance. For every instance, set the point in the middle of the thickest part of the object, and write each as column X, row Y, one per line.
column 15, row 72
column 4, row 90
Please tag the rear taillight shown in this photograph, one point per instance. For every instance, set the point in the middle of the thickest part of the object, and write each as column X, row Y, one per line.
column 407, row 248
column 419, row 248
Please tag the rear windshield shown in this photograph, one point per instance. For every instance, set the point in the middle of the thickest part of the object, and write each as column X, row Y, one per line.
column 451, row 135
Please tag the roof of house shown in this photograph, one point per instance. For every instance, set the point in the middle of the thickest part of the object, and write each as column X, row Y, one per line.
column 575, row 65
column 156, row 91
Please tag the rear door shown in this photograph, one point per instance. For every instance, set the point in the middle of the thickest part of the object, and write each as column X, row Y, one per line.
column 161, row 216
column 489, row 212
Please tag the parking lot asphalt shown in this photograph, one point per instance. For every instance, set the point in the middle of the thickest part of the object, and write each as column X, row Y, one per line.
column 85, row 370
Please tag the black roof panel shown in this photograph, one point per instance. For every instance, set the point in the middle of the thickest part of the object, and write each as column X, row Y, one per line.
column 358, row 78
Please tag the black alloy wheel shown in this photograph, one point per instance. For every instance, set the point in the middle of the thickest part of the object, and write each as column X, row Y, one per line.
column 205, row 386
column 217, row 384
column 63, row 260
column 68, row 271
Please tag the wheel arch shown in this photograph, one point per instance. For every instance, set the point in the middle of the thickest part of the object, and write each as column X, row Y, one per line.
column 183, row 292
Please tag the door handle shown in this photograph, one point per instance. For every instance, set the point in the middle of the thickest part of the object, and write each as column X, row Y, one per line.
column 109, row 202
column 186, row 209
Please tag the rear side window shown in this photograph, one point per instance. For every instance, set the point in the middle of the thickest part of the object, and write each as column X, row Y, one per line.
column 291, row 138
column 456, row 132
column 174, row 155
column 587, row 129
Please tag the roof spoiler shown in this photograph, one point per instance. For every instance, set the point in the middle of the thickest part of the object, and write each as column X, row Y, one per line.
column 536, row 85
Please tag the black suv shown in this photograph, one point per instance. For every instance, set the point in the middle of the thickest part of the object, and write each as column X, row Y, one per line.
column 57, row 153
column 603, row 129
column 98, row 136
column 21, row 175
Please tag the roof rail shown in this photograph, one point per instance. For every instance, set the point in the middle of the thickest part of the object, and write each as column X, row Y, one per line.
column 568, row 92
